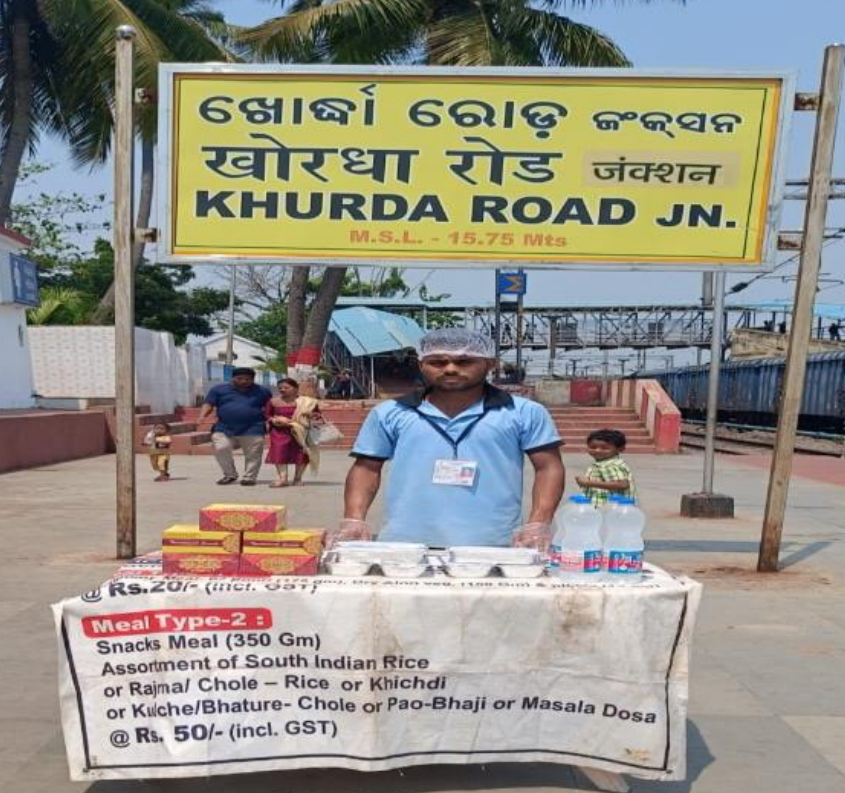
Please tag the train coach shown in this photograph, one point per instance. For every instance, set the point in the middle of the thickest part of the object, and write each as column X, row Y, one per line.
column 750, row 391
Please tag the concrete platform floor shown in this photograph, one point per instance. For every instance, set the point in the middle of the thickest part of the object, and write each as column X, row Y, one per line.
column 767, row 708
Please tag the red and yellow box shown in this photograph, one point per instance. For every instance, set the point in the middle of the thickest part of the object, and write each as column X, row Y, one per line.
column 242, row 517
column 292, row 552
column 188, row 550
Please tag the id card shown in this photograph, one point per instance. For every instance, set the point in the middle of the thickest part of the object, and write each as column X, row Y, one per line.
column 458, row 473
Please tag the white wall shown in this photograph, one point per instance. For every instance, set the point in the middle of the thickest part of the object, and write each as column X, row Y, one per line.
column 77, row 362
column 15, row 369
column 244, row 350
column 15, row 372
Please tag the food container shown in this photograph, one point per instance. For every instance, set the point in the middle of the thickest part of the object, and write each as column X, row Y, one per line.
column 522, row 570
column 348, row 569
column 493, row 555
column 379, row 552
column 469, row 569
column 392, row 559
column 403, row 570
column 472, row 561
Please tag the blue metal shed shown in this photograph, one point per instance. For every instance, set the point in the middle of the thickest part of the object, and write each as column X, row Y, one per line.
column 366, row 331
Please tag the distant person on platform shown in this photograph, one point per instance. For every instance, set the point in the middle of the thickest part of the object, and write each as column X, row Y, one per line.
column 782, row 327
column 342, row 385
column 240, row 406
column 456, row 451
column 833, row 331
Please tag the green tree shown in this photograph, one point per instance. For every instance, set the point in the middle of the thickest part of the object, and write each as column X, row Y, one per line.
column 161, row 300
column 57, row 73
column 268, row 328
column 73, row 286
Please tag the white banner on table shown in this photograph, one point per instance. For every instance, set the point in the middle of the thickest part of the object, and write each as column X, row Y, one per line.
column 187, row 677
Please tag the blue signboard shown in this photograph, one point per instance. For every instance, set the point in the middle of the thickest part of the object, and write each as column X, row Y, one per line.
column 24, row 281
column 511, row 283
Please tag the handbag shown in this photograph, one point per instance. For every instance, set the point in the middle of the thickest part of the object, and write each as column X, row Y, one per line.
column 323, row 433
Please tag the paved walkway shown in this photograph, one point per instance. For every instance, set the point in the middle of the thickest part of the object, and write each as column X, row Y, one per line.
column 767, row 709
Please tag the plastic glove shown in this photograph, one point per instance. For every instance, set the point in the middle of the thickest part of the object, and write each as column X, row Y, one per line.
column 350, row 529
column 533, row 535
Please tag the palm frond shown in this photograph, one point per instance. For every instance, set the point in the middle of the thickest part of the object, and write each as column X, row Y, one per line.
column 286, row 37
column 558, row 40
column 464, row 38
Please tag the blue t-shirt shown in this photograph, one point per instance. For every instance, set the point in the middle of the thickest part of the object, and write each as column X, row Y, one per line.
column 503, row 429
column 239, row 412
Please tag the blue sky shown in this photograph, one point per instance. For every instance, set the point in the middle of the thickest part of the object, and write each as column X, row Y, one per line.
column 722, row 35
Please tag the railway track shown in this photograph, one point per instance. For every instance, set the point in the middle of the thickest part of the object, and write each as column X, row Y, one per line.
column 731, row 440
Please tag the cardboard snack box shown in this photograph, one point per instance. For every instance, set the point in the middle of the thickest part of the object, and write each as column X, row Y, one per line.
column 305, row 540
column 188, row 550
column 282, row 561
column 292, row 552
column 242, row 517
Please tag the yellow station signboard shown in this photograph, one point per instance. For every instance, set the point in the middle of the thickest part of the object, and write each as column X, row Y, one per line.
column 535, row 167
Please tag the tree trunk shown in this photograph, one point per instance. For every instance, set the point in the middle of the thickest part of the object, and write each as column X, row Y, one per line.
column 297, row 293
column 21, row 113
column 104, row 313
column 319, row 316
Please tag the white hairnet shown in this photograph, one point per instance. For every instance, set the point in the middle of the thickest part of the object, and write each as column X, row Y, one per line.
column 456, row 342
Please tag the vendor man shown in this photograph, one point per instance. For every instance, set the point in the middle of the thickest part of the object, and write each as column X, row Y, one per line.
column 457, row 452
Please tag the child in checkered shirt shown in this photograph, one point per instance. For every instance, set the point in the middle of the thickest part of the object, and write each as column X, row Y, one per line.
column 609, row 474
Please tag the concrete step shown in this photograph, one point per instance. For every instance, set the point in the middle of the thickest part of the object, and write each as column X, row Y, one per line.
column 148, row 419
column 631, row 448
column 582, row 412
column 631, row 435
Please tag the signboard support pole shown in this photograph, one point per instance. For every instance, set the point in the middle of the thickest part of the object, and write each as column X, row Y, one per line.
column 519, row 317
column 230, row 330
column 716, row 343
column 124, row 303
column 708, row 504
column 497, row 329
column 802, row 315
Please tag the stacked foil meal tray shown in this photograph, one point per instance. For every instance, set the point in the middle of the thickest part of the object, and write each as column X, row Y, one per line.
column 411, row 560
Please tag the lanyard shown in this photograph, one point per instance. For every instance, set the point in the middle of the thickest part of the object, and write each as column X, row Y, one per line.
column 447, row 437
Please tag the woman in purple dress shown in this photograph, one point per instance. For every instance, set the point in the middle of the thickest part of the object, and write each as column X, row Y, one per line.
column 289, row 417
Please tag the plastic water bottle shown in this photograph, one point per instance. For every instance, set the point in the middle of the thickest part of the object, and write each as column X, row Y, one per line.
column 623, row 544
column 605, row 509
column 576, row 547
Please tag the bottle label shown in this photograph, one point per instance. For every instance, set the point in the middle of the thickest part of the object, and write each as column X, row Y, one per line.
column 580, row 561
column 554, row 557
column 625, row 562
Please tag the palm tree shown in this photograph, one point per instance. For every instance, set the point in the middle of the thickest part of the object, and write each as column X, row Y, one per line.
column 167, row 30
column 434, row 32
column 31, row 69
column 430, row 32
column 57, row 74
column 61, row 306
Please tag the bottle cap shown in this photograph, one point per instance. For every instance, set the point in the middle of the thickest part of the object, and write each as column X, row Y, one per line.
column 625, row 500
column 580, row 499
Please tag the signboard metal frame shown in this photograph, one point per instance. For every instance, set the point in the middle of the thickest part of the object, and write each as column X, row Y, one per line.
column 168, row 73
